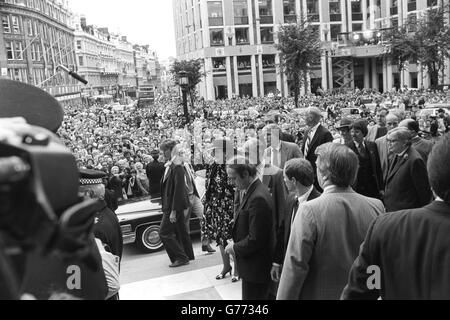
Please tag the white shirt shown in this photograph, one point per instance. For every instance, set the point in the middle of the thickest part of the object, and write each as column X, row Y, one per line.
column 313, row 131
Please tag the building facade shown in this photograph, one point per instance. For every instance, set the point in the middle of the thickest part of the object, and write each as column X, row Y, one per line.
column 35, row 38
column 112, row 64
column 235, row 38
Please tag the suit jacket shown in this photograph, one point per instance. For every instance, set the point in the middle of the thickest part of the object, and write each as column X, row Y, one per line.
column 190, row 174
column 252, row 235
column 174, row 194
column 375, row 133
column 288, row 151
column 372, row 152
column 407, row 185
column 273, row 179
column 325, row 240
column 411, row 248
column 322, row 136
column 385, row 156
column 155, row 172
column 423, row 147
column 284, row 232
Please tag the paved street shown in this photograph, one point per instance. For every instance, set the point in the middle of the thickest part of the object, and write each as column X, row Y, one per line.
column 148, row 277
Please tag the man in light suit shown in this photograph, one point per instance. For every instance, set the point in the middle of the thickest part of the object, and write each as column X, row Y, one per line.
column 379, row 130
column 422, row 146
column 407, row 185
column 328, row 231
column 252, row 230
column 278, row 151
column 316, row 136
column 410, row 248
column 383, row 148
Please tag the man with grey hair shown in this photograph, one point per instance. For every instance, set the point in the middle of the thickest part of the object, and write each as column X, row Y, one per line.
column 278, row 151
column 328, row 231
column 315, row 136
column 407, row 185
column 422, row 146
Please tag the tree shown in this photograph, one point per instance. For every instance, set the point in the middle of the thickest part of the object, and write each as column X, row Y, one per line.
column 300, row 48
column 426, row 41
column 193, row 69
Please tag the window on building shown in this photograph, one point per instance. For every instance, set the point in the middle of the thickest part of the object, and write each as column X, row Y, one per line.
column 267, row 35
column 219, row 64
column 412, row 5
column 412, row 22
column 30, row 27
column 79, row 47
column 289, row 10
column 268, row 61
column 240, row 11
column 215, row 13
column 15, row 24
column 432, row 3
column 6, row 24
column 217, row 37
column 335, row 10
column 265, row 11
column 242, row 36
column 357, row 26
column 357, row 10
column 18, row 52
column 312, row 10
column 335, row 29
column 244, row 63
column 81, row 61
column 9, row 50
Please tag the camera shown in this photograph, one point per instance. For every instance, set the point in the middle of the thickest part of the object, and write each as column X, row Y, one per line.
column 45, row 226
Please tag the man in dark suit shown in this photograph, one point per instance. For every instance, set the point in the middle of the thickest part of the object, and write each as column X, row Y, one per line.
column 279, row 151
column 316, row 136
column 369, row 182
column 270, row 176
column 175, row 201
column 155, row 171
column 252, row 230
column 406, row 255
column 407, row 185
column 299, row 179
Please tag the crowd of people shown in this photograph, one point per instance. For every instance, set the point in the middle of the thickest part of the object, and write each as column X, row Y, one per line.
column 291, row 193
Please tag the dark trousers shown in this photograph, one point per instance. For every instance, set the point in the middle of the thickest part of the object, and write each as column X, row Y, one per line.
column 184, row 234
column 255, row 291
column 172, row 237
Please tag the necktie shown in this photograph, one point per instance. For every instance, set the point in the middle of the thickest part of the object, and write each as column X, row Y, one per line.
column 294, row 213
column 394, row 163
column 362, row 150
column 308, row 142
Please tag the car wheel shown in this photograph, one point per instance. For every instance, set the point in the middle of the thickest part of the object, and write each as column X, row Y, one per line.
column 148, row 239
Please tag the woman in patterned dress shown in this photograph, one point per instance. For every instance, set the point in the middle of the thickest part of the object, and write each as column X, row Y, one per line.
column 218, row 201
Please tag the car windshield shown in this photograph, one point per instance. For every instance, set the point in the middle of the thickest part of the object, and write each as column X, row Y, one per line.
column 138, row 199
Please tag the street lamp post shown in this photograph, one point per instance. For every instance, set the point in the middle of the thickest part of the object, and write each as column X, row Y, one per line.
column 183, row 81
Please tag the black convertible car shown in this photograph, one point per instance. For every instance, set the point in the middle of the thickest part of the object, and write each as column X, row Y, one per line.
column 140, row 220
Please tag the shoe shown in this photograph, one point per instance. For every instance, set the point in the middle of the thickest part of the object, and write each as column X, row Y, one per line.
column 208, row 249
column 222, row 275
column 235, row 279
column 179, row 263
